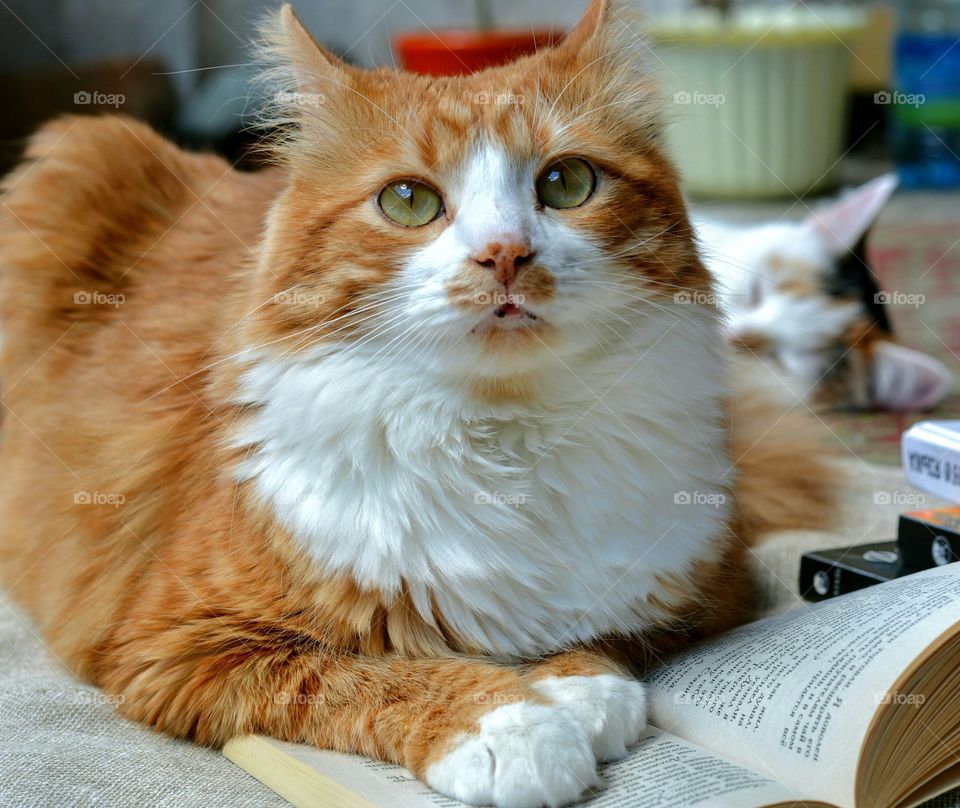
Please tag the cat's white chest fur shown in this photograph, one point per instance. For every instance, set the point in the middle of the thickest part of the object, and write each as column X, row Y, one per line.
column 530, row 527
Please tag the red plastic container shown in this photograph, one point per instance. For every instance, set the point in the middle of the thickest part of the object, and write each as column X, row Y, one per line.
column 455, row 53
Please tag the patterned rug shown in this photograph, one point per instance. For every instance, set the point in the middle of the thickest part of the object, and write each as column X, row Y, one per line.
column 915, row 251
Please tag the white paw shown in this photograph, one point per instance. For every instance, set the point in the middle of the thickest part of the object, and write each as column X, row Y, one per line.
column 612, row 709
column 525, row 755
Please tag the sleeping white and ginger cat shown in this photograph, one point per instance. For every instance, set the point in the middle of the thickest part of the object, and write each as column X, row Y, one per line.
column 409, row 426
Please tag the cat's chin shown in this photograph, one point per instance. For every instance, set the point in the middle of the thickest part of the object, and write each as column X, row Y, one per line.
column 514, row 339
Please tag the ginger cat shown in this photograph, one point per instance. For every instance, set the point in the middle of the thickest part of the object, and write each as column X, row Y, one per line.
column 401, row 448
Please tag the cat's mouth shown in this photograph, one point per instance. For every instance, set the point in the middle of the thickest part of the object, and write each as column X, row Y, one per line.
column 510, row 310
column 511, row 315
column 507, row 315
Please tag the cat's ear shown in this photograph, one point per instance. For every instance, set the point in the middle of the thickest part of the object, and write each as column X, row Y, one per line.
column 841, row 224
column 608, row 29
column 607, row 58
column 301, row 73
column 905, row 379
column 590, row 25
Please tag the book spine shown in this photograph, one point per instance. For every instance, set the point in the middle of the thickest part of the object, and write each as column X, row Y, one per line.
column 931, row 466
column 820, row 579
column 923, row 544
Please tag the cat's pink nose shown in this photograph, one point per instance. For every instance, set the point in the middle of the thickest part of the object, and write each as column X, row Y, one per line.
column 505, row 258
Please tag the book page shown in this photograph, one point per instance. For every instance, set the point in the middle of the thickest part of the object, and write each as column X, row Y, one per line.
column 793, row 696
column 663, row 771
column 373, row 782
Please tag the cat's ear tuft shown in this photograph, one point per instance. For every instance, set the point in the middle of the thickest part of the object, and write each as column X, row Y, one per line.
column 841, row 224
column 299, row 68
column 312, row 62
column 905, row 379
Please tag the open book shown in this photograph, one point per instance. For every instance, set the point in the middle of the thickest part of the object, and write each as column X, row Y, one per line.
column 854, row 701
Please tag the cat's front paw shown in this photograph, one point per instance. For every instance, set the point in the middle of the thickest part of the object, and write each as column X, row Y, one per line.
column 612, row 709
column 525, row 755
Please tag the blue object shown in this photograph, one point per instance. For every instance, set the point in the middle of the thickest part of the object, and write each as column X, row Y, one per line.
column 925, row 106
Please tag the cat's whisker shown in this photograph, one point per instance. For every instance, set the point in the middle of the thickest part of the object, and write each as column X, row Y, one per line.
column 328, row 337
column 427, row 341
column 582, row 70
column 626, row 251
column 674, row 315
column 633, row 280
column 610, row 327
column 253, row 348
column 411, row 327
column 618, row 103
column 240, row 321
column 344, row 348
column 351, row 316
column 632, row 288
column 378, row 331
column 335, row 317
column 331, row 337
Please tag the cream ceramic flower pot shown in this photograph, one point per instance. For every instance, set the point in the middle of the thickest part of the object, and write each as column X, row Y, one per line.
column 755, row 102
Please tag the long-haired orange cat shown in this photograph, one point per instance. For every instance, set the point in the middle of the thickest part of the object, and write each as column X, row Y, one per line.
column 410, row 426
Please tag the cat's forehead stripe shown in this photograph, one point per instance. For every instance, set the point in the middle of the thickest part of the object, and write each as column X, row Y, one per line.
column 454, row 136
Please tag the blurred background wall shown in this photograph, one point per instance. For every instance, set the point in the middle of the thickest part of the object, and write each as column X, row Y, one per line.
column 185, row 65
column 186, row 32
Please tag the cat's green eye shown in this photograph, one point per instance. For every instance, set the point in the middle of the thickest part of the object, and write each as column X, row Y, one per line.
column 566, row 183
column 410, row 203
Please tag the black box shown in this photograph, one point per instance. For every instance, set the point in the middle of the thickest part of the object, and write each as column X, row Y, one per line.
column 829, row 573
column 929, row 538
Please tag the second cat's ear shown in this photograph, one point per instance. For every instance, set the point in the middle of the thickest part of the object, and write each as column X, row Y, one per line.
column 842, row 223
